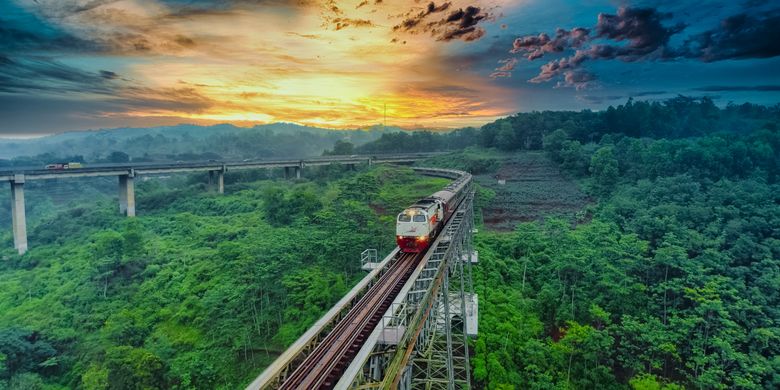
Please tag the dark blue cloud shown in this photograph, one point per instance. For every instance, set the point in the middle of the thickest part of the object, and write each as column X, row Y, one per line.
column 740, row 36
column 645, row 34
column 732, row 88
column 24, row 32
column 44, row 75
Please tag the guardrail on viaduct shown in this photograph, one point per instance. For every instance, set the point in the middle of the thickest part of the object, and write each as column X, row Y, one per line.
column 127, row 173
column 421, row 341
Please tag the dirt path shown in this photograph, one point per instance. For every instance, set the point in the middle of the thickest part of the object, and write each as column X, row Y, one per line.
column 534, row 189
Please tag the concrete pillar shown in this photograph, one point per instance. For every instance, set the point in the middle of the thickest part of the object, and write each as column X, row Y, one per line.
column 127, row 194
column 286, row 172
column 122, row 194
column 297, row 172
column 217, row 178
column 18, row 217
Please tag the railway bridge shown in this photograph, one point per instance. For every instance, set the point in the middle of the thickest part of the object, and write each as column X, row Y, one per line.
column 127, row 173
column 404, row 326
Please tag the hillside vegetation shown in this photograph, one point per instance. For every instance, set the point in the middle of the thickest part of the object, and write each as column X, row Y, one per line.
column 201, row 291
column 180, row 142
column 668, row 280
column 680, row 117
column 641, row 250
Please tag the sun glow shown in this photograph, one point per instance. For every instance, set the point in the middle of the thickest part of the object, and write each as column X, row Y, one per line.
column 311, row 63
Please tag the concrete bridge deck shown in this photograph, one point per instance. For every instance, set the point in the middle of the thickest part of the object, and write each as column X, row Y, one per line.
column 91, row 170
column 126, row 173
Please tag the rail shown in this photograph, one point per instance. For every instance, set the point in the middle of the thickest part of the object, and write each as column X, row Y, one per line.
column 318, row 362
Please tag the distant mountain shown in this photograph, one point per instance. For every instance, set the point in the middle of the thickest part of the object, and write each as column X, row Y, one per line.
column 166, row 142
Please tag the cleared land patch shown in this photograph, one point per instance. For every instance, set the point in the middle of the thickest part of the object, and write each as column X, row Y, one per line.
column 534, row 189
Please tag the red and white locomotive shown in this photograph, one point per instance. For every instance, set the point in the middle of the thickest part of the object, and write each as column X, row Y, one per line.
column 420, row 223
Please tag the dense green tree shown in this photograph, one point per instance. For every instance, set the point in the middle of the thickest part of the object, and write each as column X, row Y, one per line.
column 604, row 170
column 23, row 351
column 668, row 286
column 341, row 148
column 667, row 280
column 26, row 381
column 107, row 257
column 573, row 158
column 134, row 369
column 281, row 207
column 675, row 118
column 200, row 291
column 95, row 378
column 553, row 144
column 118, row 157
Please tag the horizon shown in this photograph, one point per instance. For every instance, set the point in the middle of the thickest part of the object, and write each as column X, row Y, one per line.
column 29, row 137
column 448, row 64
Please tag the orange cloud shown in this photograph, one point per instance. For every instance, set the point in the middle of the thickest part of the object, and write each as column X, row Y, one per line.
column 323, row 63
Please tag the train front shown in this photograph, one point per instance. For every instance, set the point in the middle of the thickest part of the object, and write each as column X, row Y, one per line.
column 413, row 231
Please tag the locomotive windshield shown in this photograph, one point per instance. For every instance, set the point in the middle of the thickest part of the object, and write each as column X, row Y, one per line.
column 419, row 218
column 404, row 218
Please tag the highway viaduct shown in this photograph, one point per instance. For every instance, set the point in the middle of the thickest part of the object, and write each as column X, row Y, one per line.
column 127, row 173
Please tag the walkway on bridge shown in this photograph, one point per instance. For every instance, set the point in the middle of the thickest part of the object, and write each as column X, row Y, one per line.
column 405, row 325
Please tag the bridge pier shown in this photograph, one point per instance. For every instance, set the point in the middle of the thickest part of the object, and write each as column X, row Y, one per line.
column 219, row 177
column 127, row 175
column 18, row 217
column 127, row 194
column 296, row 169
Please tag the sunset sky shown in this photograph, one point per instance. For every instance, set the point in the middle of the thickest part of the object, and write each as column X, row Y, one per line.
column 82, row 64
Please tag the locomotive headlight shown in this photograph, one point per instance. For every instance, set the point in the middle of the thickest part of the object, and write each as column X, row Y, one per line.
column 422, row 238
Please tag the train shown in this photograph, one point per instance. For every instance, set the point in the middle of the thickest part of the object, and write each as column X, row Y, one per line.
column 419, row 224
column 61, row 166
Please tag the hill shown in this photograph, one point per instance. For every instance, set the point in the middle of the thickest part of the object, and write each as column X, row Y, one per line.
column 182, row 142
column 200, row 291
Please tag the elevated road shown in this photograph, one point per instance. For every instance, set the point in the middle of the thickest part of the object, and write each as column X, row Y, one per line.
column 127, row 172
column 92, row 170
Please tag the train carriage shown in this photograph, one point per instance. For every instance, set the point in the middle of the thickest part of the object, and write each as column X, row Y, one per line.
column 419, row 224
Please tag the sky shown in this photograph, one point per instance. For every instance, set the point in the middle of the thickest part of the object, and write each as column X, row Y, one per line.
column 86, row 64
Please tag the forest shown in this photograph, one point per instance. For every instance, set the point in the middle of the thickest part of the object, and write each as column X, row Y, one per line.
column 201, row 291
column 679, row 117
column 668, row 281
column 178, row 143
column 666, row 278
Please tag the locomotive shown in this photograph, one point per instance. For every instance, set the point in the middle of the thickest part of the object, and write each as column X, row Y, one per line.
column 419, row 224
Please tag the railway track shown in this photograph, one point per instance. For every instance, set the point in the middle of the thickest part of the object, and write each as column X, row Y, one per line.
column 314, row 363
column 324, row 365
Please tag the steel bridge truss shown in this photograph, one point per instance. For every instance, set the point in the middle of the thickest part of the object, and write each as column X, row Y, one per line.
column 422, row 341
